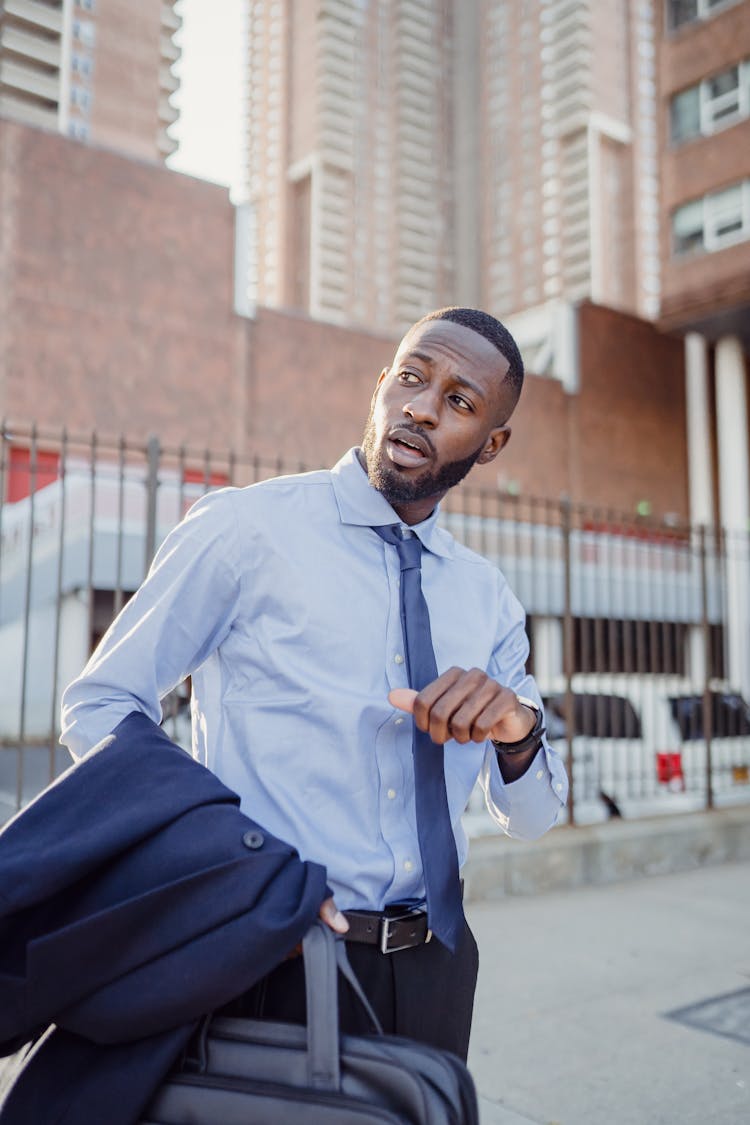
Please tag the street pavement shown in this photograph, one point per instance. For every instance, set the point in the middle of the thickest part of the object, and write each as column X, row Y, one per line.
column 592, row 1003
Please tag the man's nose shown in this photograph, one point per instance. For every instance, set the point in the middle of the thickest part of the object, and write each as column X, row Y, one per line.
column 423, row 410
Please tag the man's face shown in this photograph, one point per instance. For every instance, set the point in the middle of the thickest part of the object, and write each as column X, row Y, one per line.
column 440, row 408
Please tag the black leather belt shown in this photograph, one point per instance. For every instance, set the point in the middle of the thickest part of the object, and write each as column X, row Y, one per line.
column 396, row 928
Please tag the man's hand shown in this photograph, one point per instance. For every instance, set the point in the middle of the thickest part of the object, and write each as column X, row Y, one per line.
column 467, row 706
column 333, row 917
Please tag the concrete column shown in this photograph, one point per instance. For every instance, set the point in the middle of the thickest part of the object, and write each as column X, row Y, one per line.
column 547, row 639
column 698, row 430
column 700, row 483
column 734, row 502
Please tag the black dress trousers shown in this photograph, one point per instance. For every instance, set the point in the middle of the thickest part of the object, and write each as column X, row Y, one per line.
column 425, row 993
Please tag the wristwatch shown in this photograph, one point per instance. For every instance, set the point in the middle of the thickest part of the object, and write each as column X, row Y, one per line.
column 533, row 739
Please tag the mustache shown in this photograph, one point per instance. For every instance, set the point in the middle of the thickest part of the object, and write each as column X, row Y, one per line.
column 413, row 428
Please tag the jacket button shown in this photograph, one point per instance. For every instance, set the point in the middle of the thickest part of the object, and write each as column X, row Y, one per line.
column 253, row 839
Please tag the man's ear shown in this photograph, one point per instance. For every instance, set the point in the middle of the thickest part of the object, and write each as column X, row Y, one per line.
column 381, row 377
column 497, row 440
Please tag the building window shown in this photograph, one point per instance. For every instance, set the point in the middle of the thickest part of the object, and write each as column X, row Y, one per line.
column 712, row 104
column 85, row 32
column 79, row 130
column 81, row 97
column 82, row 64
column 680, row 12
column 719, row 219
column 725, row 216
column 87, row 5
column 685, row 115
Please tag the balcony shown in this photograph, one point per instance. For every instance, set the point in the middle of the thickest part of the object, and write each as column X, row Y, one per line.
column 28, row 80
column 168, row 113
column 165, row 144
column 39, row 15
column 168, row 80
column 28, row 112
column 169, row 18
column 30, row 46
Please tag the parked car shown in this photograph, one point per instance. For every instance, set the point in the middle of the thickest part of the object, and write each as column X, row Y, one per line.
column 639, row 745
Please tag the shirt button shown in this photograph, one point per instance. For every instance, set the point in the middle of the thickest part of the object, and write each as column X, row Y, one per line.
column 399, row 720
column 253, row 840
column 408, row 865
column 539, row 775
column 399, row 658
column 391, row 794
column 558, row 787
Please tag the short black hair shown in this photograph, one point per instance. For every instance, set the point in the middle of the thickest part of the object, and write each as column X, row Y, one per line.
column 492, row 330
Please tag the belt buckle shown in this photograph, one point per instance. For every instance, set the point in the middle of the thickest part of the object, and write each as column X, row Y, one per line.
column 385, row 932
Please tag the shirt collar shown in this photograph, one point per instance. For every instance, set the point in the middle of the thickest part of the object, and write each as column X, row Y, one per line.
column 361, row 504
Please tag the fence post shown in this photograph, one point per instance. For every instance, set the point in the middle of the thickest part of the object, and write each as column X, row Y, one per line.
column 33, row 465
column 565, row 520
column 706, row 632
column 153, row 454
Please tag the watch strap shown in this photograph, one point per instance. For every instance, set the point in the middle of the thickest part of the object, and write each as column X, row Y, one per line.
column 533, row 740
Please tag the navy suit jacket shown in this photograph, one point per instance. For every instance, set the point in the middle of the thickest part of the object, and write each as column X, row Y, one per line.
column 134, row 898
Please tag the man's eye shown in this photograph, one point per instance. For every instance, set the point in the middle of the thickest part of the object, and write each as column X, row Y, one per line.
column 408, row 377
column 462, row 402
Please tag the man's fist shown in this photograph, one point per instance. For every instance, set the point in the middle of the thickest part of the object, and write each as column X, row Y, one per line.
column 467, row 706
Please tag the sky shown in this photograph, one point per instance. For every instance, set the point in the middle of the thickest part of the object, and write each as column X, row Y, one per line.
column 211, row 92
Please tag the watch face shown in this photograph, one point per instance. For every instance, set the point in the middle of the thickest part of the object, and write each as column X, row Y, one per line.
column 528, row 702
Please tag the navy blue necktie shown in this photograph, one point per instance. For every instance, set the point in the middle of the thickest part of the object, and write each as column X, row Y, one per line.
column 437, row 844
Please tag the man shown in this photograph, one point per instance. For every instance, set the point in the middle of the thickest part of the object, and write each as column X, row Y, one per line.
column 295, row 609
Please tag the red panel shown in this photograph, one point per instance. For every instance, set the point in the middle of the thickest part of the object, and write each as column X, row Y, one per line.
column 198, row 476
column 669, row 770
column 19, row 475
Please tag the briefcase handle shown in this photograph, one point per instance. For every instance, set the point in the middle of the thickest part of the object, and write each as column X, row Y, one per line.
column 325, row 957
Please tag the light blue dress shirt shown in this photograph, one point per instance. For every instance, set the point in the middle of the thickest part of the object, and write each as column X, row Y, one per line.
column 282, row 604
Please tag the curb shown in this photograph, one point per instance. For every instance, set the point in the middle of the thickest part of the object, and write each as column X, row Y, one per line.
column 604, row 853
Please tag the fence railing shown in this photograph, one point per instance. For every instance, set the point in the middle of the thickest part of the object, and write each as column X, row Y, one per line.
column 639, row 631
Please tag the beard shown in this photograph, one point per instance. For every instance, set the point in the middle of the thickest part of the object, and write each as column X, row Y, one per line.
column 392, row 482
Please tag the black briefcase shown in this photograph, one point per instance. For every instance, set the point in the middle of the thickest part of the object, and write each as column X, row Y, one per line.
column 254, row 1072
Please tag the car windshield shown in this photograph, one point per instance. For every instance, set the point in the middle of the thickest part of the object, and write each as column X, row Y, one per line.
column 594, row 716
column 730, row 715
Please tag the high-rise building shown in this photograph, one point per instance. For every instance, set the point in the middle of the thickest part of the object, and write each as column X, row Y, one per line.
column 98, row 70
column 351, row 181
column 408, row 153
column 568, row 191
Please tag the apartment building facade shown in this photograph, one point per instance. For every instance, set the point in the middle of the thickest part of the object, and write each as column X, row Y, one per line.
column 96, row 70
column 350, row 158
column 704, row 68
column 424, row 151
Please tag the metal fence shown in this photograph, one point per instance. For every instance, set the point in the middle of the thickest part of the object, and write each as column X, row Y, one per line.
column 639, row 632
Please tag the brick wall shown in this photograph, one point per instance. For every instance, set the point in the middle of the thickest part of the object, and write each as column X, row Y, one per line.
column 696, row 285
column 116, row 315
column 629, row 429
column 117, row 281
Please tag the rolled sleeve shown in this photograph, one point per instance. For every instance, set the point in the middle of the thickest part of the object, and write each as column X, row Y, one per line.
column 528, row 807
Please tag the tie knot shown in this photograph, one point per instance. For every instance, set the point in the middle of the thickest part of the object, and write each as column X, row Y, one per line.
column 409, row 550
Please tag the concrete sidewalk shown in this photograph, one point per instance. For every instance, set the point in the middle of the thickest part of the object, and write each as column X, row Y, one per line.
column 572, row 1023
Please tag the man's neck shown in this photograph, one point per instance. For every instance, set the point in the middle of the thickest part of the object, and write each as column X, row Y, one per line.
column 409, row 512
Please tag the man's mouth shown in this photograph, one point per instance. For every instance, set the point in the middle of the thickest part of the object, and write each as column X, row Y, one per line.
column 407, row 450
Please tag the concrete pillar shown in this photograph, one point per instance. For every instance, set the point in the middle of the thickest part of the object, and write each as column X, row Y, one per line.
column 700, row 483
column 698, row 430
column 696, row 657
column 734, row 502
column 547, row 639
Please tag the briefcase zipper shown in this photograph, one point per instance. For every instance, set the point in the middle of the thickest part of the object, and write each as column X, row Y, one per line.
column 274, row 1089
